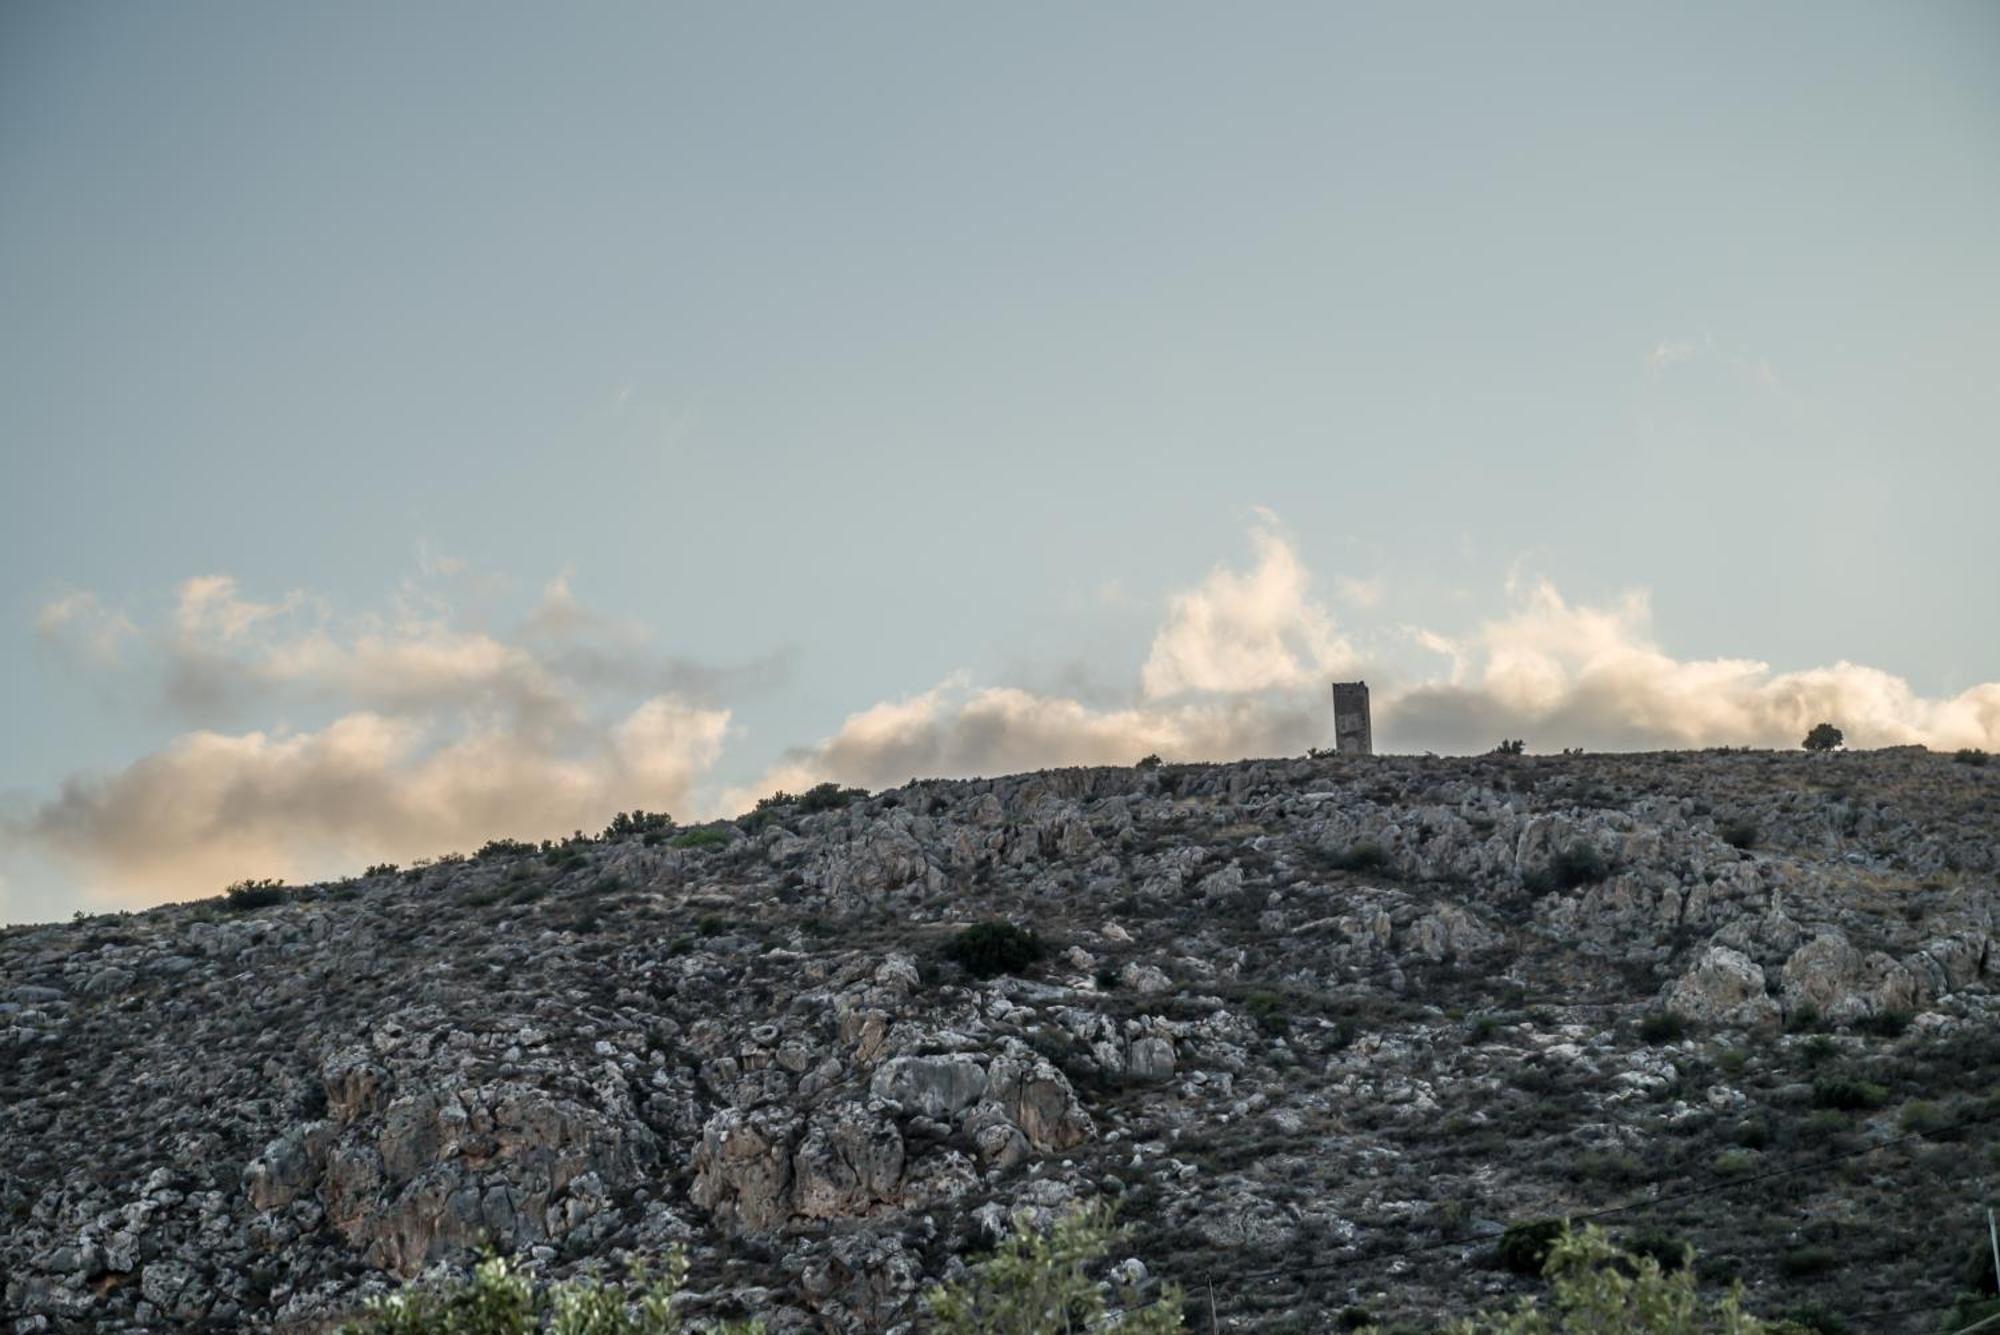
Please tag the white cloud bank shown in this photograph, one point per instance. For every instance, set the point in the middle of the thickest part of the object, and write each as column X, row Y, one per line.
column 443, row 734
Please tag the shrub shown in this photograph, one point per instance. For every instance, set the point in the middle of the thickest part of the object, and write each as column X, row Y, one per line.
column 1971, row 756
column 1364, row 856
column 1268, row 1010
column 1734, row 1163
column 698, row 839
column 1037, row 1281
column 499, row 1300
column 1922, row 1118
column 1823, row 737
column 1662, row 1026
column 246, row 895
column 1148, row 762
column 1598, row 1287
column 988, row 949
column 1805, row 1019
column 1884, row 1024
column 1525, row 1248
column 1511, row 746
column 1739, row 833
column 1847, row 1094
column 1574, row 865
column 380, row 869
column 628, row 823
column 1753, row 1133
column 1670, row 1252
column 1482, row 1028
column 1107, row 978
column 1800, row 1262
column 828, row 797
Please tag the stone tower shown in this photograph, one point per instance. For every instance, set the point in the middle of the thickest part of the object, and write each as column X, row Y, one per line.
column 1352, row 735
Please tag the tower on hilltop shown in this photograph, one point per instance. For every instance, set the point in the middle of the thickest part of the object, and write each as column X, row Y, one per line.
column 1352, row 735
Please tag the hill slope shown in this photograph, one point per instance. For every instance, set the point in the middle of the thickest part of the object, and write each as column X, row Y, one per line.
column 1323, row 1025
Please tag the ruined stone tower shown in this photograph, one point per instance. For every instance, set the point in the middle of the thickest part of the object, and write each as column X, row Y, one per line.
column 1352, row 735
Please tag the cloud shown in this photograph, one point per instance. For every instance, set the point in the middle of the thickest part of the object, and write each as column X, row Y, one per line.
column 1254, row 631
column 431, row 732
column 1670, row 352
column 1566, row 675
column 213, row 807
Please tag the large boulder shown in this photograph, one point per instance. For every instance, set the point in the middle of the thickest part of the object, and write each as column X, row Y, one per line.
column 1724, row 987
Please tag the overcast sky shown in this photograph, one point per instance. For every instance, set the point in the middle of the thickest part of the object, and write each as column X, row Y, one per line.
column 426, row 423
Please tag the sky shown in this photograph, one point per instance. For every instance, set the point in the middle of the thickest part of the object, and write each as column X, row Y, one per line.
column 422, row 424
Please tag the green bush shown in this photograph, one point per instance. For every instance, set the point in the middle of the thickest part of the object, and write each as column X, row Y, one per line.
column 1884, row 1024
column 1739, row 833
column 246, row 895
column 1597, row 1287
column 1971, row 756
column 1662, row 1026
column 1800, row 1262
column 503, row 848
column 499, row 1300
column 628, row 823
column 1510, row 746
column 1575, row 865
column 1148, row 762
column 705, row 838
column 1823, row 737
column 1268, row 1010
column 1364, row 856
column 1525, row 1248
column 1036, row 1281
column 1734, row 1163
column 819, row 797
column 1670, row 1252
column 1847, row 1094
column 988, row 949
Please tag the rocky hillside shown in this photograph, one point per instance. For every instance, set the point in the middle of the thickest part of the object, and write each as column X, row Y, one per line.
column 1323, row 1027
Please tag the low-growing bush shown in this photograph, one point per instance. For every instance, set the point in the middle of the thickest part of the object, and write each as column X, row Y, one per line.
column 1971, row 756
column 1672, row 1253
column 988, row 949
column 503, row 848
column 628, row 823
column 1799, row 1262
column 1884, row 1024
column 1268, row 1010
column 500, row 1300
column 1364, row 856
column 1734, row 1163
column 1040, row 1281
column 1739, row 833
column 1662, row 1026
column 1525, row 1248
column 705, row 838
column 1847, row 1094
column 246, row 895
column 1578, row 864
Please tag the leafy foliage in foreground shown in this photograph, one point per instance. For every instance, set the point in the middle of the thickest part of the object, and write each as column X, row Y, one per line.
column 1036, row 1282
column 1597, row 1287
column 500, row 1300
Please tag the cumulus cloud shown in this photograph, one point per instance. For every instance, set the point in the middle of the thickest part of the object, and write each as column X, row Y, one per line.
column 214, row 807
column 1252, row 631
column 1594, row 676
column 433, row 734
